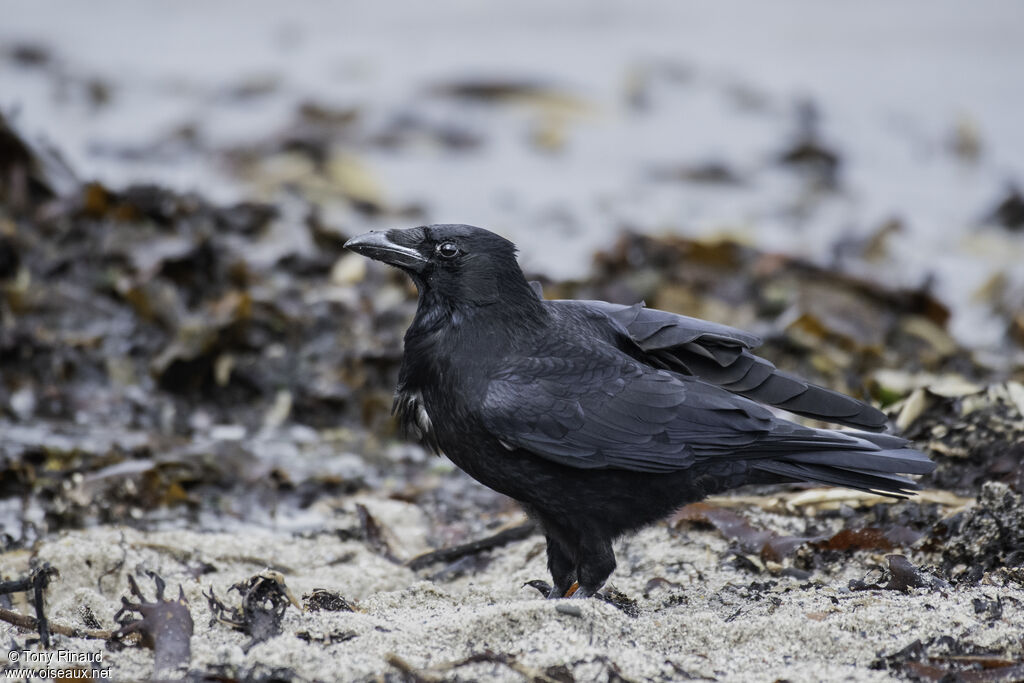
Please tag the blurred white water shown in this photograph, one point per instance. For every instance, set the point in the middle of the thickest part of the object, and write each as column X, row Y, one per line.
column 662, row 84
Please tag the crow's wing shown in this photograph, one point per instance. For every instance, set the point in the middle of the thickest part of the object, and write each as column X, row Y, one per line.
column 721, row 355
column 598, row 408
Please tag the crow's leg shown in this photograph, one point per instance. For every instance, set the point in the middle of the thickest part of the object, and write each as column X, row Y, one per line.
column 596, row 563
column 562, row 566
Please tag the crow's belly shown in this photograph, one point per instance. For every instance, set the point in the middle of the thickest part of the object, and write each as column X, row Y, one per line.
column 605, row 501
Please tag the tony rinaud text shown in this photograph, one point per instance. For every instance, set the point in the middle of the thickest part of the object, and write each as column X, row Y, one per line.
column 55, row 657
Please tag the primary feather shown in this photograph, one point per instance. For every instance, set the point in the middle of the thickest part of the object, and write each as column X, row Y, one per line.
column 721, row 355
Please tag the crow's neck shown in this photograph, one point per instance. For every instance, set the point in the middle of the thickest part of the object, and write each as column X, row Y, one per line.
column 444, row 325
column 514, row 309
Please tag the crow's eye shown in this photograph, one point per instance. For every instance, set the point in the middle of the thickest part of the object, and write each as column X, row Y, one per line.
column 447, row 250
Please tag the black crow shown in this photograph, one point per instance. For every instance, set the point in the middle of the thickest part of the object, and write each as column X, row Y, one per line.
column 601, row 418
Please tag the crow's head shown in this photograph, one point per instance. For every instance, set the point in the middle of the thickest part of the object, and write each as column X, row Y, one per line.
column 459, row 264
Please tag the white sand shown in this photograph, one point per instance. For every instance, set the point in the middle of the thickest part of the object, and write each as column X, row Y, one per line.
column 811, row 633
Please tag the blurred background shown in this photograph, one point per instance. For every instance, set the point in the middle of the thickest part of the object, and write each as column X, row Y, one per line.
column 883, row 138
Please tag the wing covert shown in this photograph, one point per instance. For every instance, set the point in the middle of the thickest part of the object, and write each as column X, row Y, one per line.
column 601, row 409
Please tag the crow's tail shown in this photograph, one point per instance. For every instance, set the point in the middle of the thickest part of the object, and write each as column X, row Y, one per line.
column 876, row 471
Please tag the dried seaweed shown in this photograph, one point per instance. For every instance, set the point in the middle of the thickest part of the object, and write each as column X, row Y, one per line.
column 265, row 597
column 975, row 438
column 164, row 625
column 984, row 537
column 323, row 600
column 808, row 153
column 30, row 174
column 901, row 576
column 1009, row 212
column 759, row 549
column 503, row 537
column 36, row 583
column 373, row 533
column 947, row 658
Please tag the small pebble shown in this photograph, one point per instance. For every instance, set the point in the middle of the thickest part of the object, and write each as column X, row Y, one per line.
column 571, row 610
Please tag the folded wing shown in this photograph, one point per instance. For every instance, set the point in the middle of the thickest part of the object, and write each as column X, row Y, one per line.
column 597, row 408
column 721, row 355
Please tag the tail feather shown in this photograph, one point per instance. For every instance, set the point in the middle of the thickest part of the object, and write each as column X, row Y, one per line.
column 874, row 467
column 861, row 480
column 889, row 442
column 904, row 460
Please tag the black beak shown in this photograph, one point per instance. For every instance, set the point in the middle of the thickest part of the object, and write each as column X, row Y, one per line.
column 377, row 246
